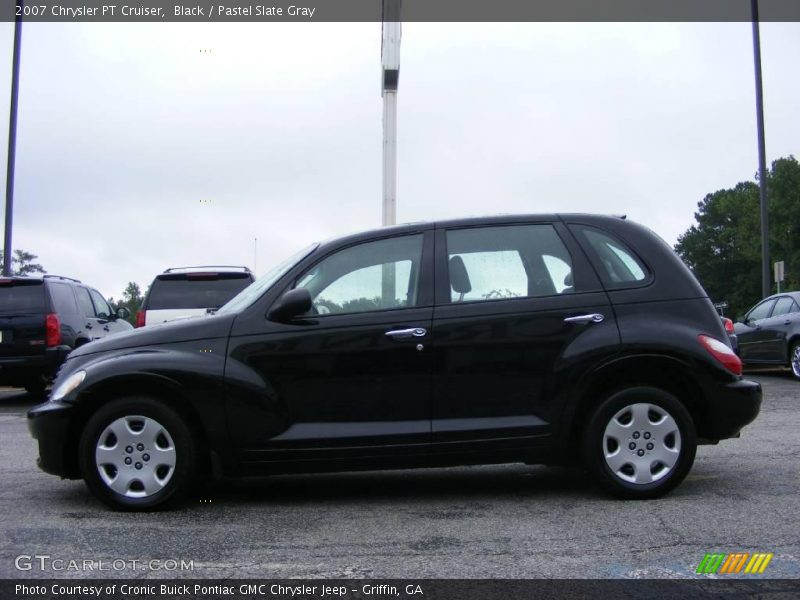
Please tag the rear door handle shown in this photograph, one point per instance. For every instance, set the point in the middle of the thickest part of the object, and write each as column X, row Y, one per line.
column 404, row 334
column 592, row 318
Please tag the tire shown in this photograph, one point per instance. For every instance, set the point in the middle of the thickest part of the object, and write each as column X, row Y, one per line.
column 155, row 466
column 640, row 443
column 794, row 359
column 35, row 387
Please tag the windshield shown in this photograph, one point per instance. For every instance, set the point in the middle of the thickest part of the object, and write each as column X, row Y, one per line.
column 257, row 289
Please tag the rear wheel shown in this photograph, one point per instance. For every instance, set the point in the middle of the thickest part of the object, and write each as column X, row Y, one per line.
column 136, row 453
column 640, row 443
column 794, row 359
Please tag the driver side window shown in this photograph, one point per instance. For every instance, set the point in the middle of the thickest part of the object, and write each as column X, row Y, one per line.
column 381, row 275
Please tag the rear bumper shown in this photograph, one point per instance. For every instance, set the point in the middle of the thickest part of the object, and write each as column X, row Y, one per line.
column 731, row 407
column 49, row 424
column 17, row 370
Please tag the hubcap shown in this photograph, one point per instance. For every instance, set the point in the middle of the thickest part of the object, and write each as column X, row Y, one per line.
column 796, row 361
column 641, row 443
column 135, row 456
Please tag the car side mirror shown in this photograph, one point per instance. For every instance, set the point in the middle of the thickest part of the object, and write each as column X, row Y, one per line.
column 122, row 313
column 292, row 304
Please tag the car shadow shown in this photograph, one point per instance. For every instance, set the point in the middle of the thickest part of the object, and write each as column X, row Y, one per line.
column 457, row 484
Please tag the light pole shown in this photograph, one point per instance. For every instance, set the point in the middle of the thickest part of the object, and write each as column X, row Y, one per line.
column 762, row 160
column 12, row 145
column 390, row 63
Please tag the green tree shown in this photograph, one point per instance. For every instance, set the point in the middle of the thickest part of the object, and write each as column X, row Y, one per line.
column 723, row 247
column 22, row 263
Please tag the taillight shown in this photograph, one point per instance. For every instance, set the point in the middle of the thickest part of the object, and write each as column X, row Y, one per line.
column 52, row 330
column 722, row 353
column 140, row 318
column 728, row 324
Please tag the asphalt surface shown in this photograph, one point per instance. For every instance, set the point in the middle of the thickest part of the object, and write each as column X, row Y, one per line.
column 505, row 522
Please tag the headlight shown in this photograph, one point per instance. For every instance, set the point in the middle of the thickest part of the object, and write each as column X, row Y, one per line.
column 69, row 384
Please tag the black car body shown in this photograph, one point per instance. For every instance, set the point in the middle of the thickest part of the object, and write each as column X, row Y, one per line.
column 539, row 339
column 769, row 333
column 42, row 320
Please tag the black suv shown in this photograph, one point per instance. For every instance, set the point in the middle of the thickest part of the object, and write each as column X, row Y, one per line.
column 539, row 339
column 42, row 319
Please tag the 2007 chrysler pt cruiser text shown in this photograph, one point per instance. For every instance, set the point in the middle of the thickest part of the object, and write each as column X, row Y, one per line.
column 544, row 339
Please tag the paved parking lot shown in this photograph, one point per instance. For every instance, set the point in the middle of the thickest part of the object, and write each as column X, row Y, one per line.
column 509, row 521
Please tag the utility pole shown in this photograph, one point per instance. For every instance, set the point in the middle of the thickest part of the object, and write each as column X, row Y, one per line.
column 12, row 145
column 762, row 160
column 390, row 63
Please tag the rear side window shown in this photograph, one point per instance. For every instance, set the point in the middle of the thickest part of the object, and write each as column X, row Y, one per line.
column 63, row 299
column 503, row 262
column 84, row 302
column 22, row 297
column 189, row 290
column 618, row 265
column 784, row 306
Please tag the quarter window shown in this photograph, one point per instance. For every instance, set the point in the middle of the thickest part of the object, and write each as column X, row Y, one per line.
column 381, row 275
column 618, row 264
column 515, row 261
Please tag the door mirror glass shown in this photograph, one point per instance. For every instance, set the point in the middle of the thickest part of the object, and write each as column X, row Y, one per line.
column 292, row 304
column 122, row 313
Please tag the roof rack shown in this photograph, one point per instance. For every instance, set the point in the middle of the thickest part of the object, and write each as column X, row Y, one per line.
column 49, row 276
column 176, row 269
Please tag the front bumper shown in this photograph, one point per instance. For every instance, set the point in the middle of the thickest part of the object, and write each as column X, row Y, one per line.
column 49, row 424
column 730, row 407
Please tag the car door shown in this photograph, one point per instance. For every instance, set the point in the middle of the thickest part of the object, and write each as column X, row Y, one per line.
column 350, row 379
column 752, row 335
column 93, row 324
column 776, row 330
column 517, row 310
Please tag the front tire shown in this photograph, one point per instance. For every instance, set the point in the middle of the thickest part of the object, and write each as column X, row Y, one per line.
column 136, row 453
column 640, row 443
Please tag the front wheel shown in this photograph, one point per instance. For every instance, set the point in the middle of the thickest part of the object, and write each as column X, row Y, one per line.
column 640, row 443
column 136, row 453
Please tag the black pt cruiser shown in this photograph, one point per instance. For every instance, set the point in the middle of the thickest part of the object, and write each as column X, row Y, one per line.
column 544, row 339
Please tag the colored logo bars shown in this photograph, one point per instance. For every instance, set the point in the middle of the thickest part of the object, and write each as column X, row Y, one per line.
column 738, row 562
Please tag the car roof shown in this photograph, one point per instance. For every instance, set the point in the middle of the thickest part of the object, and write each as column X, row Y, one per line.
column 497, row 219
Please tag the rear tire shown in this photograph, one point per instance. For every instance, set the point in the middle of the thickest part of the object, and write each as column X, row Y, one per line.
column 136, row 453
column 794, row 359
column 640, row 443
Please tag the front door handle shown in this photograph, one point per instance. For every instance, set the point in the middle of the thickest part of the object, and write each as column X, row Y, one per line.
column 404, row 334
column 592, row 318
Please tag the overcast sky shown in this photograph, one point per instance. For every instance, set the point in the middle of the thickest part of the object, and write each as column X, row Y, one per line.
column 137, row 151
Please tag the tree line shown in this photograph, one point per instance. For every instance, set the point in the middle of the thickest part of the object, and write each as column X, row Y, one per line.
column 723, row 247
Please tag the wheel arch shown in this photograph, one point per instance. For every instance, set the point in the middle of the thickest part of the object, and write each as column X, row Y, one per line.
column 664, row 372
column 157, row 387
